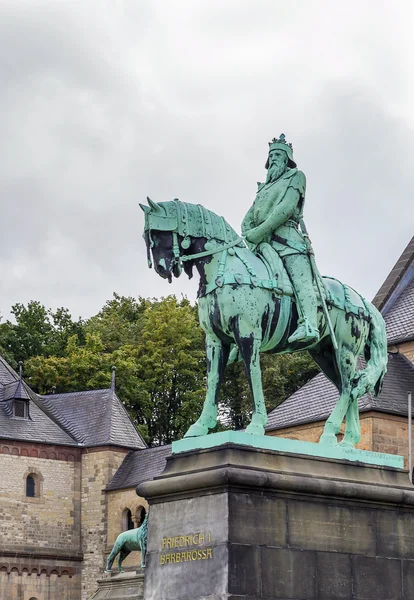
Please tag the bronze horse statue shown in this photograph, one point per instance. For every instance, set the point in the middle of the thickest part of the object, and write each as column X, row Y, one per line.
column 247, row 302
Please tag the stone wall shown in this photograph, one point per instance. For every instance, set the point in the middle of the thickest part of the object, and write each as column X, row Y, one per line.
column 390, row 435
column 98, row 467
column 51, row 520
column 407, row 348
column 311, row 432
column 380, row 432
column 44, row 580
column 118, row 501
column 40, row 550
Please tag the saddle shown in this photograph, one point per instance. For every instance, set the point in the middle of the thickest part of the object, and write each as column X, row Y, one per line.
column 274, row 264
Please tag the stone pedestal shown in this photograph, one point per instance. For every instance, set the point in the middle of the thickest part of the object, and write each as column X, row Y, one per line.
column 120, row 586
column 244, row 523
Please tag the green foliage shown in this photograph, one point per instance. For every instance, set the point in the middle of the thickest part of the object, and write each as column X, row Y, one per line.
column 282, row 375
column 157, row 347
column 37, row 332
column 171, row 372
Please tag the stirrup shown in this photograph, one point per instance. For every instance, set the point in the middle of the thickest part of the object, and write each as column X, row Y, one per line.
column 305, row 333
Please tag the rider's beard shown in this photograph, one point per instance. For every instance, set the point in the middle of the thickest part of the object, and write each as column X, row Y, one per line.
column 275, row 171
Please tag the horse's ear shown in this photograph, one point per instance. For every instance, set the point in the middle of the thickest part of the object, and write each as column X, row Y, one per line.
column 155, row 207
column 145, row 208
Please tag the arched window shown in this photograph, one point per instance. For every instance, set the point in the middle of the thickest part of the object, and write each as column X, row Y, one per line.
column 31, row 486
column 140, row 515
column 127, row 522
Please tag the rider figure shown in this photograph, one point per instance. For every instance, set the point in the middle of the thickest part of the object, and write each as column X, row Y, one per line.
column 274, row 218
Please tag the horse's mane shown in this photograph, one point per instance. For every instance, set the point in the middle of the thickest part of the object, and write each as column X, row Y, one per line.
column 196, row 221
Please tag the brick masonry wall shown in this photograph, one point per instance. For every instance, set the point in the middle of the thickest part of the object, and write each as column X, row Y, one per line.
column 118, row 501
column 46, row 580
column 51, row 521
column 390, row 434
column 311, row 432
column 407, row 349
column 98, row 468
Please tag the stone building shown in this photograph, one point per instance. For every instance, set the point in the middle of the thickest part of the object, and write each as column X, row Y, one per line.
column 58, row 453
column 383, row 419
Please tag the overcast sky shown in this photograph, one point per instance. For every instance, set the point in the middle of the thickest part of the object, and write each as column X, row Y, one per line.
column 104, row 102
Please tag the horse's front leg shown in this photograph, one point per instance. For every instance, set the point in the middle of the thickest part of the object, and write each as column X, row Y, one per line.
column 122, row 556
column 217, row 357
column 143, row 553
column 249, row 347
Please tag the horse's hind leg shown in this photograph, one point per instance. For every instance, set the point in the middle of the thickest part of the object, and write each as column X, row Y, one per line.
column 352, row 428
column 249, row 347
column 112, row 557
column 346, row 362
column 217, row 357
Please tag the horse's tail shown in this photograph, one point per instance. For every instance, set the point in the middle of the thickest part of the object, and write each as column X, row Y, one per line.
column 369, row 380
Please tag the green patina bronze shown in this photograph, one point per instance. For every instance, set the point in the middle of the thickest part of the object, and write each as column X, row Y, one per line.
column 268, row 296
column 127, row 542
column 279, row 444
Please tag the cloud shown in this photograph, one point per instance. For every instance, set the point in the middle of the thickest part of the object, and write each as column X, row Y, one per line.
column 104, row 103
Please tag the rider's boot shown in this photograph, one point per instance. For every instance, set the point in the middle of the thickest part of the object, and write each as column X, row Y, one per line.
column 300, row 273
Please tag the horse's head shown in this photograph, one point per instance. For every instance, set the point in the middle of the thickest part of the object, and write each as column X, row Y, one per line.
column 161, row 240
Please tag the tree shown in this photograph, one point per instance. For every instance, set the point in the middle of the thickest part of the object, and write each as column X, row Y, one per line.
column 37, row 332
column 157, row 347
column 119, row 322
column 171, row 370
column 281, row 376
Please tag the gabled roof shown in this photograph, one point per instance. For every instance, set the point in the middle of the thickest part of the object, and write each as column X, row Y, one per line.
column 395, row 276
column 16, row 390
column 94, row 418
column 399, row 318
column 140, row 466
column 316, row 399
column 40, row 427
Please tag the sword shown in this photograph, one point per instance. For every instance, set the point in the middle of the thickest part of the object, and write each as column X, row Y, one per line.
column 318, row 279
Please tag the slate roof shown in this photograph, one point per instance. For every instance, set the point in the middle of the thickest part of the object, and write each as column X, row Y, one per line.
column 316, row 399
column 140, row 466
column 399, row 318
column 94, row 418
column 395, row 276
column 40, row 427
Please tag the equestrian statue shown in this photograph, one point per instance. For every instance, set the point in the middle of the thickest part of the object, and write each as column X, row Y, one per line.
column 263, row 293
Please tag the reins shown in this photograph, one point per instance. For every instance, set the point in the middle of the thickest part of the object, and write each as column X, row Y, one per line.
column 213, row 251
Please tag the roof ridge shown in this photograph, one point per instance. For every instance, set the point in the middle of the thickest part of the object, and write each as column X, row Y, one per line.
column 9, row 368
column 121, row 404
column 394, row 276
column 77, row 393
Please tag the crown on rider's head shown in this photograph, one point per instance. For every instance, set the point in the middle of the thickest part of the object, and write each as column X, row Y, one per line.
column 281, row 140
column 281, row 144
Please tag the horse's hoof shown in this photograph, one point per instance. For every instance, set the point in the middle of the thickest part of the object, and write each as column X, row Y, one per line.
column 196, row 430
column 329, row 439
column 346, row 444
column 255, row 429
